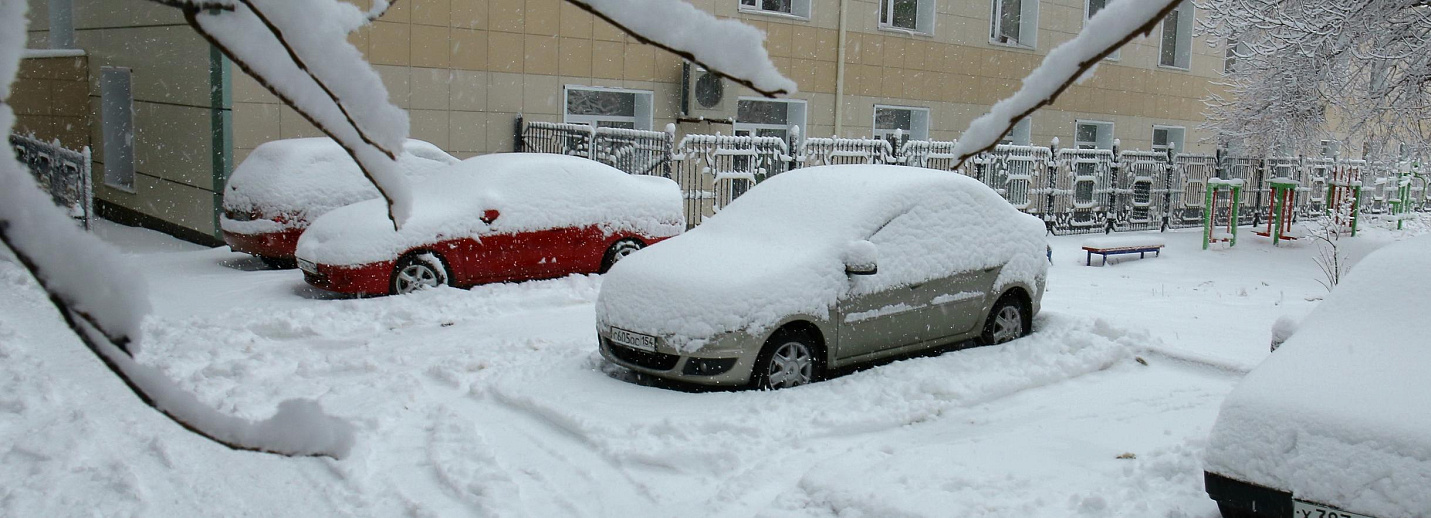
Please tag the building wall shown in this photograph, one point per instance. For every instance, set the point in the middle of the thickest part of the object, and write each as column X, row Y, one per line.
column 465, row 68
column 51, row 100
column 176, row 176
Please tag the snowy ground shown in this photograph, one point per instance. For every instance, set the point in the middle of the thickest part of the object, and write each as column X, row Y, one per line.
column 494, row 402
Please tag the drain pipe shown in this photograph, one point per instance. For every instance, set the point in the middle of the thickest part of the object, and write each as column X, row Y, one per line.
column 840, row 70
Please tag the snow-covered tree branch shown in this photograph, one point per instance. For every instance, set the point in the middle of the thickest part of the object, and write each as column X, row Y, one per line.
column 1113, row 26
column 103, row 300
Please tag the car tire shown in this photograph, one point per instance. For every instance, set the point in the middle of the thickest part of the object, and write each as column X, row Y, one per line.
column 789, row 359
column 279, row 263
column 618, row 251
column 417, row 272
column 1005, row 322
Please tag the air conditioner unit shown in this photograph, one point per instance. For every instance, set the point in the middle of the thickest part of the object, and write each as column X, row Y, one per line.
column 705, row 95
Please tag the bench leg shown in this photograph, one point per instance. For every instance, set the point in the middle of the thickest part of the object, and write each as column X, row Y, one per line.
column 1089, row 262
column 1140, row 255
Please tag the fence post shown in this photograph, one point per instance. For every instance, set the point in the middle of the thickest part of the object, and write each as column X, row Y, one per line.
column 1052, row 168
column 1112, row 212
column 518, row 145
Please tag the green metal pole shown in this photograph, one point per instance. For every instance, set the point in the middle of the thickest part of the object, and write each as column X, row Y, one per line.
column 1236, row 204
column 1207, row 210
column 1356, row 208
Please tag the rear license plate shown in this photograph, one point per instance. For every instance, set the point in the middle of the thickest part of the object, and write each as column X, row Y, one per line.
column 1302, row 509
column 308, row 266
column 633, row 340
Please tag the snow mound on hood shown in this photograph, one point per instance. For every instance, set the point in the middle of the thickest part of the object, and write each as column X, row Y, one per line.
column 779, row 250
column 304, row 178
column 1338, row 414
column 530, row 191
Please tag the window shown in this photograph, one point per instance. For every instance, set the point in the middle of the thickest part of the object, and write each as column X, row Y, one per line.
column 62, row 24
column 909, row 15
column 1168, row 138
column 1091, row 7
column 117, row 109
column 1176, row 47
column 1330, row 148
column 1015, row 22
column 767, row 118
column 1234, row 49
column 911, row 122
column 1093, row 135
column 608, row 107
column 1020, row 135
column 799, row 8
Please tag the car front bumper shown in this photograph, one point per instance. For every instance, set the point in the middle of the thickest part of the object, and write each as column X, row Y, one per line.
column 363, row 279
column 276, row 245
column 728, row 362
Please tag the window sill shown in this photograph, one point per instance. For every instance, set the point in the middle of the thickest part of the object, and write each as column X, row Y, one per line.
column 773, row 14
column 907, row 32
column 1018, row 46
column 1174, row 67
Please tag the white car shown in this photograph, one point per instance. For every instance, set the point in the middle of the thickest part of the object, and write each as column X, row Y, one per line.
column 1335, row 423
column 284, row 185
column 825, row 267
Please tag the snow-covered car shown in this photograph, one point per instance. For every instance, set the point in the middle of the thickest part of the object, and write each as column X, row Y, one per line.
column 825, row 267
column 1335, row 423
column 493, row 218
column 284, row 185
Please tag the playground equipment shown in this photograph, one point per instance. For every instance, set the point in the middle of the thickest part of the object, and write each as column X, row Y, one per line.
column 1344, row 198
column 1216, row 187
column 1402, row 205
column 1279, row 210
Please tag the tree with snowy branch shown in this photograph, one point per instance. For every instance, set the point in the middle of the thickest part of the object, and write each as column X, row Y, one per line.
column 298, row 49
column 1300, row 69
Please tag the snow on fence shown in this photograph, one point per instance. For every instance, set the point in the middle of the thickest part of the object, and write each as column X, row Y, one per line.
column 634, row 151
column 63, row 173
column 713, row 170
column 1073, row 191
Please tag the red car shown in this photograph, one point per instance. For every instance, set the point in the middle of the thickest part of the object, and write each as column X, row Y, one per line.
column 493, row 218
column 285, row 184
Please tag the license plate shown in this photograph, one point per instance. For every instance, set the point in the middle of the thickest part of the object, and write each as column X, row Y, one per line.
column 1302, row 509
column 633, row 340
column 308, row 266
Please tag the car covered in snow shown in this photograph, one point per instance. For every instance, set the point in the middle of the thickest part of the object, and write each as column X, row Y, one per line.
column 284, row 185
column 493, row 218
column 1334, row 424
column 825, row 267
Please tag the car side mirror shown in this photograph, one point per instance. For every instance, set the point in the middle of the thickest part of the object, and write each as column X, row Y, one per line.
column 490, row 215
column 861, row 258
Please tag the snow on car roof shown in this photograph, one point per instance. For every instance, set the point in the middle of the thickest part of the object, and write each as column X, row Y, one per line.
column 311, row 176
column 531, row 191
column 779, row 249
column 1338, row 414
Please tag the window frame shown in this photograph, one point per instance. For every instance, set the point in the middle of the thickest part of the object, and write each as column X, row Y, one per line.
column 1028, row 24
column 1182, row 135
column 1022, row 131
column 642, row 113
column 1101, row 142
column 799, row 9
column 753, row 128
column 919, row 122
column 924, row 17
column 117, row 127
column 1186, row 14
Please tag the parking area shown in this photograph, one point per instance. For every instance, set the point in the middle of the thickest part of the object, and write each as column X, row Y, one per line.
column 494, row 401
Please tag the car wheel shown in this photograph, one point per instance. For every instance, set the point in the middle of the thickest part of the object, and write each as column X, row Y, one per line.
column 418, row 272
column 788, row 360
column 1005, row 322
column 618, row 251
column 278, row 263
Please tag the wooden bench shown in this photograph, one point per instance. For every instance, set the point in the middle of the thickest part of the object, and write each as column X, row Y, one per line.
column 1107, row 246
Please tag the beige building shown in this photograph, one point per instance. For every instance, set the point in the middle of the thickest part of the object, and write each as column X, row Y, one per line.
column 465, row 69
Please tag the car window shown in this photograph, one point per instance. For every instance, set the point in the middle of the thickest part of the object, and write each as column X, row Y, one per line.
column 922, row 243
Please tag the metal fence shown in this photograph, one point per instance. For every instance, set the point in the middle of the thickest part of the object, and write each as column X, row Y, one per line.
column 62, row 173
column 1073, row 191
